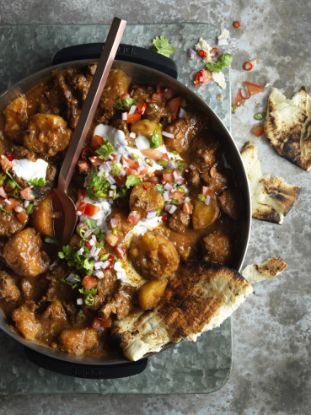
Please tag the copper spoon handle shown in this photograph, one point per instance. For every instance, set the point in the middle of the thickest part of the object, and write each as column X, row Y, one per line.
column 90, row 105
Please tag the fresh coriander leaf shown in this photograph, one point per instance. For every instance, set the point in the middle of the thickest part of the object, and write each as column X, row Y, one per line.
column 132, row 180
column 105, row 150
column 224, row 60
column 125, row 103
column 29, row 208
column 162, row 46
column 39, row 182
column 115, row 169
column 13, row 180
column 163, row 163
column 201, row 198
column 156, row 139
column 97, row 186
column 160, row 188
column 2, row 179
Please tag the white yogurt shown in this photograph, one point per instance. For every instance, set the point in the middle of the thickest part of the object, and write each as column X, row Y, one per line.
column 29, row 170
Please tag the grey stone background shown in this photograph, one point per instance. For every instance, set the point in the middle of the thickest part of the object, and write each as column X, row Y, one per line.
column 271, row 371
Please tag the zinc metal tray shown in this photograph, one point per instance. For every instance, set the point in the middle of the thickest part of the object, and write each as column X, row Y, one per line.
column 200, row 367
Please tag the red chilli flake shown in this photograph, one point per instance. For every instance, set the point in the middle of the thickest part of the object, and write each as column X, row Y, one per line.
column 248, row 66
column 236, row 24
column 202, row 53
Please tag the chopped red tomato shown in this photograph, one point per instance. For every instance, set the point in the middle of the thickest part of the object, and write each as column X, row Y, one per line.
column 90, row 210
column 27, row 194
column 10, row 156
column 134, row 217
column 258, row 130
column 96, row 141
column 13, row 203
column 253, row 88
column 131, row 118
column 133, row 164
column 22, row 217
column 153, row 154
column 96, row 161
column 89, row 282
column 88, row 245
column 201, row 77
column 168, row 177
column 141, row 107
column 202, row 53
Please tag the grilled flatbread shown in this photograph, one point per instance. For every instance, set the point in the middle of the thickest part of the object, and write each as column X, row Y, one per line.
column 267, row 270
column 288, row 126
column 272, row 197
column 198, row 299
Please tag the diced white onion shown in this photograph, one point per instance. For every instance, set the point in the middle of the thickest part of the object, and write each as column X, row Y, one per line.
column 124, row 116
column 132, row 109
column 167, row 134
column 79, row 301
column 182, row 113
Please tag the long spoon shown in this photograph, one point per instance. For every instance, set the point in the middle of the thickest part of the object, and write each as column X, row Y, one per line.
column 65, row 214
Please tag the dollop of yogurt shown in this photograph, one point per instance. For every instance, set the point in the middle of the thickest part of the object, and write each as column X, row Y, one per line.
column 29, row 170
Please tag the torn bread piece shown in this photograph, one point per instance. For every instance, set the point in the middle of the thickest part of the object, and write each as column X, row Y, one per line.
column 288, row 126
column 272, row 197
column 267, row 270
column 199, row 298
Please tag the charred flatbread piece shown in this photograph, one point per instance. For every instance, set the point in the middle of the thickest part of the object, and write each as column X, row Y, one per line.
column 272, row 197
column 288, row 126
column 198, row 299
column 267, row 270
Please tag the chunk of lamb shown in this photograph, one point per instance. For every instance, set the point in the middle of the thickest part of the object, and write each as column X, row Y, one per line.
column 16, row 118
column 217, row 247
column 47, row 134
column 145, row 197
column 184, row 130
column 179, row 221
column 9, row 291
column 229, row 204
column 120, row 303
column 26, row 322
column 153, row 255
column 9, row 224
column 215, row 179
column 23, row 253
column 79, row 341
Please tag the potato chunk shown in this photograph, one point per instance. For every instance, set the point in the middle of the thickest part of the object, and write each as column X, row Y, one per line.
column 145, row 128
column 23, row 254
column 47, row 134
column 144, row 197
column 78, row 341
column 16, row 118
column 150, row 294
column 117, row 85
column 153, row 256
column 26, row 322
column 204, row 214
column 42, row 217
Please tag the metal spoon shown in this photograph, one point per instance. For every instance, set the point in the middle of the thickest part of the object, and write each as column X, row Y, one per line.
column 65, row 214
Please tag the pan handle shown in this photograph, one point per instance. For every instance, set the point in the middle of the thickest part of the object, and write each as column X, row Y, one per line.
column 127, row 53
column 121, row 370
